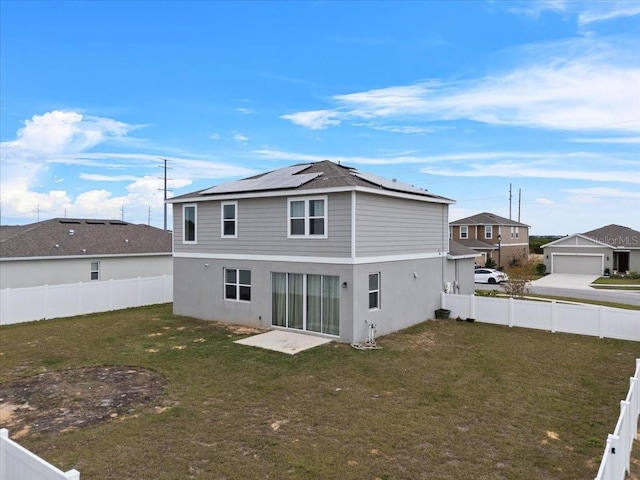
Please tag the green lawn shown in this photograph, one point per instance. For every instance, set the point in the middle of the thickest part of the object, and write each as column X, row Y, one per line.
column 442, row 400
column 621, row 283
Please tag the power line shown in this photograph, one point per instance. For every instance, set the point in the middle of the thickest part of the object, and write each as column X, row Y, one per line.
column 165, row 190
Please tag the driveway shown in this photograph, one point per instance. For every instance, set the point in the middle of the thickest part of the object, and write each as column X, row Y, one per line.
column 565, row 280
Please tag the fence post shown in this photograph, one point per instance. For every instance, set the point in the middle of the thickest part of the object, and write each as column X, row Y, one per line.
column 4, row 437
column 6, row 306
column 111, row 294
column 626, row 434
column 79, row 298
column 614, row 442
column 510, row 312
column 72, row 475
column 472, row 305
column 44, row 304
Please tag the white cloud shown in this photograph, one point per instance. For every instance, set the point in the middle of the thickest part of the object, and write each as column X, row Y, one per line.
column 601, row 11
column 529, row 170
column 245, row 111
column 59, row 131
column 58, row 141
column 239, row 137
column 214, row 136
column 616, row 140
column 587, row 85
column 316, row 120
column 407, row 129
column 96, row 177
column 604, row 192
column 544, row 201
column 584, row 12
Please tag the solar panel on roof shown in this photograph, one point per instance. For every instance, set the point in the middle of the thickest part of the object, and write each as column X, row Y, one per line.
column 390, row 184
column 288, row 177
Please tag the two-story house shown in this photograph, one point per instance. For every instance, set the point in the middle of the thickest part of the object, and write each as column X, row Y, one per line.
column 71, row 250
column 315, row 247
column 501, row 239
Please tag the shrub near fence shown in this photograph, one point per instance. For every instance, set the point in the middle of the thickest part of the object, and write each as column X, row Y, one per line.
column 589, row 320
column 19, row 305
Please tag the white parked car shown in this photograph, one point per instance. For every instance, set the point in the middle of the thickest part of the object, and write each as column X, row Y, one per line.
column 489, row 275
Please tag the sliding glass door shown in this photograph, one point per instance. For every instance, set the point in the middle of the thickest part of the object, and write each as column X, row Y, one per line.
column 306, row 302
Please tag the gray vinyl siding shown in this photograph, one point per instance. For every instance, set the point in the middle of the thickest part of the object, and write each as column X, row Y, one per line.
column 262, row 229
column 396, row 226
column 60, row 271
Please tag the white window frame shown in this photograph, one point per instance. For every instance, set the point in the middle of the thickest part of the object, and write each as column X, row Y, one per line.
column 234, row 220
column 464, row 232
column 375, row 290
column 307, row 217
column 517, row 232
column 96, row 271
column 488, row 232
column 237, row 284
column 195, row 223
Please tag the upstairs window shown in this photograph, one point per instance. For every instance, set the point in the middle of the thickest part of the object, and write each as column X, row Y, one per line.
column 308, row 218
column 95, row 270
column 237, row 284
column 488, row 232
column 189, row 227
column 517, row 232
column 464, row 232
column 229, row 215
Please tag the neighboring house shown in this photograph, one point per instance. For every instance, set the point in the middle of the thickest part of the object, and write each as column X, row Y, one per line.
column 613, row 247
column 315, row 247
column 492, row 236
column 65, row 250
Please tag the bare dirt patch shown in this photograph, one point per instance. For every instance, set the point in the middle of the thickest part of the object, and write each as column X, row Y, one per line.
column 53, row 402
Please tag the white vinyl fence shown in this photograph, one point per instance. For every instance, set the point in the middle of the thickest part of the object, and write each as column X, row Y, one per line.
column 590, row 320
column 616, row 461
column 19, row 305
column 18, row 463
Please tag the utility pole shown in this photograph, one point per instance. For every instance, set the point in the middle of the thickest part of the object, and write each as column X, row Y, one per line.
column 122, row 213
column 510, row 201
column 519, row 202
column 149, row 216
column 165, row 191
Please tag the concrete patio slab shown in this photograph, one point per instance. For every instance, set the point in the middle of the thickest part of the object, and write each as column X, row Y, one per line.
column 284, row 341
column 566, row 280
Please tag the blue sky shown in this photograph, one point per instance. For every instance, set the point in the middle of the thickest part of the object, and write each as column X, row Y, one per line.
column 460, row 98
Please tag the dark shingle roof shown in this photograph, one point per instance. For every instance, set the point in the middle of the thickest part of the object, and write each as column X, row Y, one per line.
column 616, row 236
column 486, row 218
column 70, row 237
column 458, row 250
column 328, row 175
column 477, row 244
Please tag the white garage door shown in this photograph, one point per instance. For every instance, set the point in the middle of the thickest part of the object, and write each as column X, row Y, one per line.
column 578, row 264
